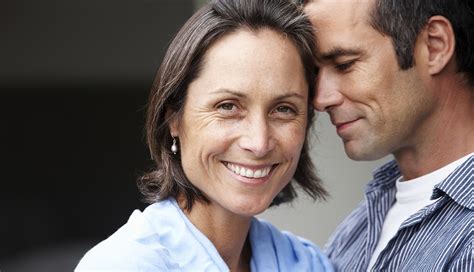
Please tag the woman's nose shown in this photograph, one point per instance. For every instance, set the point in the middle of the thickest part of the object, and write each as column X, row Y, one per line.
column 257, row 137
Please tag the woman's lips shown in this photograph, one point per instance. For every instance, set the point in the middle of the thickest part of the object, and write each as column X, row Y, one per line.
column 250, row 174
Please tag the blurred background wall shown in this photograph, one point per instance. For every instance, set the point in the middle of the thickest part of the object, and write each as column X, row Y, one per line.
column 74, row 79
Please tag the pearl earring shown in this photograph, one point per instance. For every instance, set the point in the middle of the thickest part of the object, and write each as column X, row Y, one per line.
column 174, row 146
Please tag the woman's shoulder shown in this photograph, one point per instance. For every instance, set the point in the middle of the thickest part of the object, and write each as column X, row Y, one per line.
column 135, row 246
column 118, row 253
column 261, row 228
column 286, row 249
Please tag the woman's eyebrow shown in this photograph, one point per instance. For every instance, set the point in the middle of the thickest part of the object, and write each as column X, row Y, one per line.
column 240, row 94
column 289, row 95
column 228, row 91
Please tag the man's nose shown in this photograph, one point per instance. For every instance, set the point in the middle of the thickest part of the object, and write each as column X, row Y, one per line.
column 328, row 93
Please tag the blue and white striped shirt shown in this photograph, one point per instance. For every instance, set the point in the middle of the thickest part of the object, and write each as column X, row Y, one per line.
column 439, row 237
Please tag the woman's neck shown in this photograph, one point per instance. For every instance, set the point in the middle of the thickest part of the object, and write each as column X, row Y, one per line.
column 227, row 231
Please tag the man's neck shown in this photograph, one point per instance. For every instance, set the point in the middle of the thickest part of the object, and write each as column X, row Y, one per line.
column 446, row 137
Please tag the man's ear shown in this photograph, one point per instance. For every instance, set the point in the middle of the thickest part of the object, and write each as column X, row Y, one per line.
column 441, row 43
column 173, row 123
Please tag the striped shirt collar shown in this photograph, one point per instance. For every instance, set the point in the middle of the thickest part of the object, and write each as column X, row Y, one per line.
column 384, row 176
column 455, row 185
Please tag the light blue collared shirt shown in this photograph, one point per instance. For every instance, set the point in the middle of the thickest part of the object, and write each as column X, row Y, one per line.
column 161, row 238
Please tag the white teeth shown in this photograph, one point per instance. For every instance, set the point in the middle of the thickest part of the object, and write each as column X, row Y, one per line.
column 245, row 172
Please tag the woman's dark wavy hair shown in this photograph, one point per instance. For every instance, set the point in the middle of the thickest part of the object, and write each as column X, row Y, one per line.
column 181, row 65
column 402, row 20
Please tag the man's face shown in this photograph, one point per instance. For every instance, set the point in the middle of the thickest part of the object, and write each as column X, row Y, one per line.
column 376, row 107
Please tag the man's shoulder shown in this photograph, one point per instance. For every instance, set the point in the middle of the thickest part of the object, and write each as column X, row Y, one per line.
column 346, row 246
column 354, row 224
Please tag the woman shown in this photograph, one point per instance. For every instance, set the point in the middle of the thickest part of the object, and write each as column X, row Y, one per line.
column 227, row 122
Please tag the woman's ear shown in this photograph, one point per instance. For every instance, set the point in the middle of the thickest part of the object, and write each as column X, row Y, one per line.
column 440, row 43
column 173, row 123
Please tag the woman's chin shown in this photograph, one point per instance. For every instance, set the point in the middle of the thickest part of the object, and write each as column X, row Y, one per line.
column 249, row 208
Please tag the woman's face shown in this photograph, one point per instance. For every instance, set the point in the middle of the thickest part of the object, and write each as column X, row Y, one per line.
column 244, row 121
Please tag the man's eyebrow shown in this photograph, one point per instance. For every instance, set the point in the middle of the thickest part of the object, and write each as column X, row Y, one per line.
column 339, row 52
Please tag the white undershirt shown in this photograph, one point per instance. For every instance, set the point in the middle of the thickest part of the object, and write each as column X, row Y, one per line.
column 412, row 196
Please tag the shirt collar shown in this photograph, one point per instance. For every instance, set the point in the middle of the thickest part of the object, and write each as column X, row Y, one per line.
column 384, row 176
column 458, row 185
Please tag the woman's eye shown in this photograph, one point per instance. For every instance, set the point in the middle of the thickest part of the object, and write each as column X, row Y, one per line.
column 226, row 106
column 284, row 111
column 228, row 109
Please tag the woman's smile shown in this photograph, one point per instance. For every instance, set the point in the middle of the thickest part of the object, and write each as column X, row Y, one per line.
column 249, row 172
column 255, row 175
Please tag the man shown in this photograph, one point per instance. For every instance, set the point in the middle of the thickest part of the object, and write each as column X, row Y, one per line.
column 396, row 77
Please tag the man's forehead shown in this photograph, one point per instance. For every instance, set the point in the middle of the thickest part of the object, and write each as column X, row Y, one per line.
column 337, row 1
column 342, row 26
column 339, row 19
column 348, row 11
